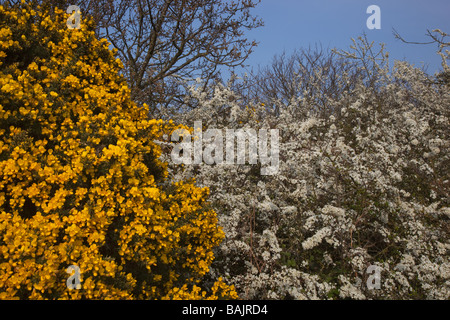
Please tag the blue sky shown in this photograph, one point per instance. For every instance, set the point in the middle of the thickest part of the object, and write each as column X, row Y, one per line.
column 294, row 24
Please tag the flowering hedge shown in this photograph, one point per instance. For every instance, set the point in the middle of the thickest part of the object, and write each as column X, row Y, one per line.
column 81, row 183
column 366, row 185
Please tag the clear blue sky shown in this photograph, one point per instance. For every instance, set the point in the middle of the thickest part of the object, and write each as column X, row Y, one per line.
column 293, row 24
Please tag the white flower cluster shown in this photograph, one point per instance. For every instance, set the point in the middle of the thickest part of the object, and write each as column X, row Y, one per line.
column 316, row 239
column 366, row 185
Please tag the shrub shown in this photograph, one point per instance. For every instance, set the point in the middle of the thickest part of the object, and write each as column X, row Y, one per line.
column 365, row 185
column 81, row 183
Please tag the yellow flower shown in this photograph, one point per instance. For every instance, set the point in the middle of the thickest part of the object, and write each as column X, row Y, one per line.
column 76, row 179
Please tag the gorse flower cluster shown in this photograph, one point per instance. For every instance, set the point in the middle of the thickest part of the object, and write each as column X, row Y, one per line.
column 80, row 179
column 366, row 184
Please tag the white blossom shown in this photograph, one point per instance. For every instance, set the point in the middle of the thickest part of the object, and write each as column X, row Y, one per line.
column 366, row 183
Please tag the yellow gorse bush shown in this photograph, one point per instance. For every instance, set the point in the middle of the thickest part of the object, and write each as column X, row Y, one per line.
column 81, row 183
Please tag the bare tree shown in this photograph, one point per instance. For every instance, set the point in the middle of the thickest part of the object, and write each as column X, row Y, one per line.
column 165, row 42
column 314, row 73
column 440, row 38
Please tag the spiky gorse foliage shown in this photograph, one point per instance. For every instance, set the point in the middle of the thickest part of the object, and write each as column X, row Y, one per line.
column 364, row 184
column 81, row 183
